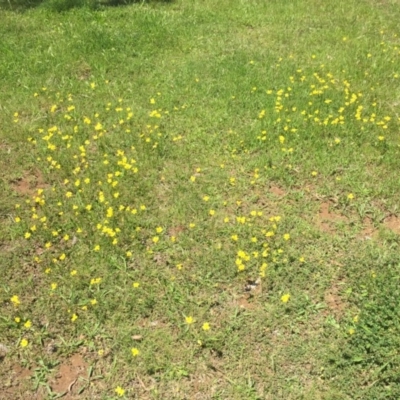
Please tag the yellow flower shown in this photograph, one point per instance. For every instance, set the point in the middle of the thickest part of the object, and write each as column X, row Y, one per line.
column 93, row 302
column 135, row 284
column 17, row 320
column 212, row 212
column 159, row 229
column 286, row 236
column 24, row 342
column 73, row 272
column 352, row 331
column 27, row 235
column 135, row 352
column 74, row 317
column 128, row 254
column 15, row 300
column 206, row 198
column 53, row 286
column 28, row 324
column 350, row 196
column 206, row 326
column 189, row 320
column 155, row 239
column 285, row 298
column 120, row 392
column 97, row 248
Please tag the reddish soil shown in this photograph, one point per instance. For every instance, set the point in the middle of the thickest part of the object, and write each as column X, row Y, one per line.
column 393, row 223
column 277, row 191
column 175, row 230
column 243, row 303
column 333, row 300
column 368, row 230
column 16, row 384
column 67, row 378
column 328, row 219
column 29, row 183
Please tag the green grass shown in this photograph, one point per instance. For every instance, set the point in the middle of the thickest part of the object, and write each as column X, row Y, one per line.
column 169, row 167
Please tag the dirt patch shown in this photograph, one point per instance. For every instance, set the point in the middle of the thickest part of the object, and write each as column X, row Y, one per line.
column 67, row 379
column 334, row 301
column 368, row 230
column 393, row 223
column 244, row 303
column 328, row 219
column 29, row 183
column 277, row 191
column 16, row 384
column 176, row 230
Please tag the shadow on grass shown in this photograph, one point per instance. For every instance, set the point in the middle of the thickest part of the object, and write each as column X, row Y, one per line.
column 65, row 5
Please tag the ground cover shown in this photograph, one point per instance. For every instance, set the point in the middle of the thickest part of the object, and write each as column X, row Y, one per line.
column 200, row 200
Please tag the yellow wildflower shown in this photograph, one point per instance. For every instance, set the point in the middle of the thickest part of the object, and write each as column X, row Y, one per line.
column 135, row 352
column 285, row 298
column 206, row 326
column 120, row 392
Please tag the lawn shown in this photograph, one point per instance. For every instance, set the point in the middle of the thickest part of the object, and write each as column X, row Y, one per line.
column 200, row 200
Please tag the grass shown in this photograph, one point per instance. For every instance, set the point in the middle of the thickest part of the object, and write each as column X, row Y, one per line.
column 201, row 200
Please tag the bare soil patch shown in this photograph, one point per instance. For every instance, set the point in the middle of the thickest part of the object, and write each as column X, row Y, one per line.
column 67, row 379
column 368, row 230
column 334, row 301
column 15, row 384
column 277, row 191
column 393, row 223
column 29, row 183
column 327, row 219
